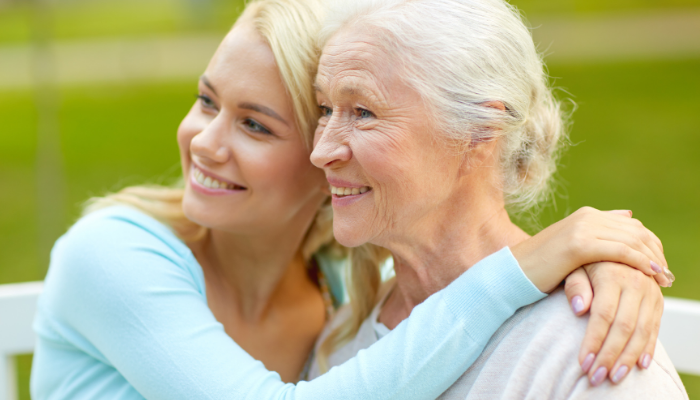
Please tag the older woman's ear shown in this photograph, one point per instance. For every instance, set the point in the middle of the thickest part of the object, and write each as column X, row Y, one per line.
column 494, row 104
column 483, row 152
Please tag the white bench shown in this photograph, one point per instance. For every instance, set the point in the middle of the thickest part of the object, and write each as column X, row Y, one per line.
column 17, row 308
column 680, row 332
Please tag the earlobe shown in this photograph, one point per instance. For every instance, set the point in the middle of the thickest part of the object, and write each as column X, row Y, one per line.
column 479, row 154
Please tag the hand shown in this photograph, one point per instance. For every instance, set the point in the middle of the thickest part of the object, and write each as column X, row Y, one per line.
column 589, row 236
column 625, row 318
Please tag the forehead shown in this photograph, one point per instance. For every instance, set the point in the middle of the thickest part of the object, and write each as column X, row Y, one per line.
column 244, row 55
column 352, row 56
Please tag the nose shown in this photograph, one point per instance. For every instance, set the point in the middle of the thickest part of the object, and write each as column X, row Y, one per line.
column 209, row 145
column 330, row 144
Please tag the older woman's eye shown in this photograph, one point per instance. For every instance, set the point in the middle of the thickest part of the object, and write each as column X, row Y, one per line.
column 206, row 101
column 364, row 113
column 256, row 127
column 325, row 111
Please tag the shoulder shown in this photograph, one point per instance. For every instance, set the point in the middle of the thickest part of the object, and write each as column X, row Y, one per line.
column 545, row 334
column 116, row 252
column 114, row 234
column 119, row 222
column 545, row 329
column 536, row 354
column 554, row 335
column 659, row 381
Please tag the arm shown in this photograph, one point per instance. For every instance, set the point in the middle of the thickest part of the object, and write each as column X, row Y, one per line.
column 128, row 293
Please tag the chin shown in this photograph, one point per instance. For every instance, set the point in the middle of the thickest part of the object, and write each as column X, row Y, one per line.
column 197, row 212
column 191, row 209
column 347, row 236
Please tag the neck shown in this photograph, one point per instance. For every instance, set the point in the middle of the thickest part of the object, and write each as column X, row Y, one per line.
column 249, row 271
column 443, row 247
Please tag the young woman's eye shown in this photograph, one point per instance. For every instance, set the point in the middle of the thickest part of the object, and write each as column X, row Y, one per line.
column 325, row 111
column 254, row 126
column 206, row 101
column 362, row 113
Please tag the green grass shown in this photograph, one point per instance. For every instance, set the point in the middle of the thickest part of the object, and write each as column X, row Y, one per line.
column 91, row 19
column 123, row 18
column 564, row 7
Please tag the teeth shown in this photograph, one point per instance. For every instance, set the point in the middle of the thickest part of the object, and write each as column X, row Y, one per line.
column 209, row 182
column 343, row 191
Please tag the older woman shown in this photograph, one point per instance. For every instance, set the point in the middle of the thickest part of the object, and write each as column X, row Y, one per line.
column 436, row 117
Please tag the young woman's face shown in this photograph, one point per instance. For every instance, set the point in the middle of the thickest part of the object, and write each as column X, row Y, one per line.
column 244, row 161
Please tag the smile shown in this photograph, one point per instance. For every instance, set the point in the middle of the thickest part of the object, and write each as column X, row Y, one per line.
column 345, row 191
column 210, row 182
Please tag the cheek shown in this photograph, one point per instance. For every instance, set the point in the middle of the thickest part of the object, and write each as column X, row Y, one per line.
column 318, row 132
column 298, row 175
column 404, row 172
column 387, row 162
column 283, row 173
column 188, row 129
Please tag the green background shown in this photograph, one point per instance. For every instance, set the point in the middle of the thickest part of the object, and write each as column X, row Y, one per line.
column 635, row 132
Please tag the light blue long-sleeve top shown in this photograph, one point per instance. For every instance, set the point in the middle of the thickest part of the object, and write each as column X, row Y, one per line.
column 124, row 315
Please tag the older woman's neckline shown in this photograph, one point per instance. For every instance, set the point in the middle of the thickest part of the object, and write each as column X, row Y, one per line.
column 414, row 284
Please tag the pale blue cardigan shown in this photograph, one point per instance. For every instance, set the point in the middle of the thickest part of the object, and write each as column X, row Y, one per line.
column 124, row 315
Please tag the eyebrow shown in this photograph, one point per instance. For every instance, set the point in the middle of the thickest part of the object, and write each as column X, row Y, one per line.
column 350, row 90
column 208, row 84
column 263, row 110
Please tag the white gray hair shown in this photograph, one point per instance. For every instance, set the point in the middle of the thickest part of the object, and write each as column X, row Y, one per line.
column 459, row 54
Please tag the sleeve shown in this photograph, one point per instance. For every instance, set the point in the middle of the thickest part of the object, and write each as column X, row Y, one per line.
column 133, row 298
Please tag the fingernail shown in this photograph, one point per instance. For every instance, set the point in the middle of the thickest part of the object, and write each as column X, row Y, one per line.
column 621, row 372
column 670, row 276
column 656, row 268
column 599, row 376
column 587, row 362
column 646, row 360
column 577, row 304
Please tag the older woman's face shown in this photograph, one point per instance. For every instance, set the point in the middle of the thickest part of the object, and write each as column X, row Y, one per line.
column 377, row 145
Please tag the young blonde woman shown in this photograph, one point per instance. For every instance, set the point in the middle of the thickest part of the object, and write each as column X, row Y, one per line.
column 218, row 289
